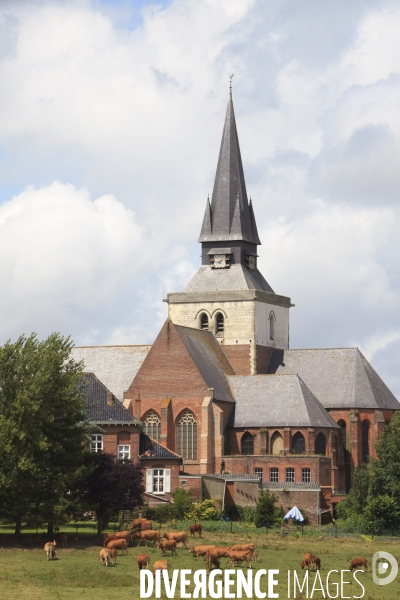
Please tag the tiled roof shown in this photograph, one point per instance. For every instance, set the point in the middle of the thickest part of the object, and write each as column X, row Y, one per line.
column 149, row 448
column 339, row 377
column 115, row 366
column 237, row 277
column 276, row 401
column 101, row 406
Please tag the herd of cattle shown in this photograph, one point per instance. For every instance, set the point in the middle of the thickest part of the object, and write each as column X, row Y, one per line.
column 141, row 530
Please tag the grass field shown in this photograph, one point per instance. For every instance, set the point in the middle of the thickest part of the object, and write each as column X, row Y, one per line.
column 77, row 573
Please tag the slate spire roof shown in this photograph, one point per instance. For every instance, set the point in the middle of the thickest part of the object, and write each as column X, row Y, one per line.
column 229, row 216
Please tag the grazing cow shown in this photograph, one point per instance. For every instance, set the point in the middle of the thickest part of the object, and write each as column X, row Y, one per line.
column 50, row 549
column 193, row 529
column 118, row 545
column 167, row 545
column 358, row 562
column 105, row 556
column 160, row 565
column 242, row 547
column 62, row 538
column 146, row 536
column 178, row 536
column 255, row 557
column 113, row 555
column 309, row 560
column 137, row 523
column 201, row 549
column 119, row 535
column 237, row 556
column 143, row 561
column 146, row 526
column 218, row 551
column 212, row 560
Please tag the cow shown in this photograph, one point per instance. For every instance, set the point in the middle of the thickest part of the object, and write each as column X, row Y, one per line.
column 212, row 560
column 143, row 561
column 50, row 549
column 240, row 547
column 201, row 549
column 218, row 551
column 105, row 556
column 167, row 545
column 137, row 523
column 193, row 529
column 178, row 536
column 62, row 538
column 118, row 535
column 113, row 555
column 255, row 557
column 358, row 562
column 146, row 526
column 118, row 545
column 309, row 560
column 237, row 556
column 160, row 565
column 146, row 536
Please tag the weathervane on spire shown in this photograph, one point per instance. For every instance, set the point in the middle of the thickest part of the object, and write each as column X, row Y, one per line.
column 231, row 75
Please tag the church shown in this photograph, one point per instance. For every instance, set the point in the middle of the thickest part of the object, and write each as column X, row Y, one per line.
column 220, row 403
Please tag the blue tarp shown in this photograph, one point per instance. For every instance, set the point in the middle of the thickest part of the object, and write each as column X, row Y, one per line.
column 294, row 513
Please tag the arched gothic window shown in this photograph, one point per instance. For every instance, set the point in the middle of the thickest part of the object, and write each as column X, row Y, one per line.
column 298, row 443
column 276, row 444
column 152, row 426
column 247, row 443
column 364, row 441
column 219, row 324
column 320, row 444
column 187, row 436
column 271, row 326
column 204, row 321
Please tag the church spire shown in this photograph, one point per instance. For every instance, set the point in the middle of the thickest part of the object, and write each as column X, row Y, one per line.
column 229, row 217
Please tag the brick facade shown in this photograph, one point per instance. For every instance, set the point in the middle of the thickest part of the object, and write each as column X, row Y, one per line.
column 114, row 435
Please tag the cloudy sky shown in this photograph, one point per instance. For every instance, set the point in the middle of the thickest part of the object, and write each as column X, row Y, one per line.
column 111, row 114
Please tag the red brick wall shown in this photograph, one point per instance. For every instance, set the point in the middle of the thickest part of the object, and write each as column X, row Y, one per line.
column 263, row 355
column 239, row 357
column 113, row 435
column 174, row 465
column 192, row 483
column 245, row 493
column 305, row 500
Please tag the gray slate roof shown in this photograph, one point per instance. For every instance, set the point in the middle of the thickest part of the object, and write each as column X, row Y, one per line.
column 276, row 401
column 210, row 360
column 149, row 448
column 115, row 366
column 230, row 216
column 101, row 406
column 237, row 277
column 339, row 377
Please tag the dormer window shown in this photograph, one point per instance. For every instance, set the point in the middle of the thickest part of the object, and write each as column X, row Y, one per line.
column 219, row 325
column 251, row 261
column 219, row 257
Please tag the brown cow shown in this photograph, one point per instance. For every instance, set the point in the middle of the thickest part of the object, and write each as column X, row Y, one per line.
column 113, row 555
column 358, row 562
column 160, row 565
column 255, row 557
column 137, row 523
column 201, row 549
column 50, row 549
column 237, row 556
column 167, row 545
column 62, row 538
column 178, row 536
column 143, row 561
column 242, row 547
column 212, row 560
column 146, row 536
column 118, row 535
column 309, row 560
column 218, row 551
column 146, row 526
column 105, row 556
column 193, row 529
column 118, row 545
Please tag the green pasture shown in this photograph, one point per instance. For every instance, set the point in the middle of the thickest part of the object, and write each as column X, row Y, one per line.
column 77, row 573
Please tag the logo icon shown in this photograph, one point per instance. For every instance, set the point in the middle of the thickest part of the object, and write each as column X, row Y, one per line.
column 380, row 564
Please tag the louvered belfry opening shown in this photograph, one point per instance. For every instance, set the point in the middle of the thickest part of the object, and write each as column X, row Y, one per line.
column 219, row 325
column 204, row 322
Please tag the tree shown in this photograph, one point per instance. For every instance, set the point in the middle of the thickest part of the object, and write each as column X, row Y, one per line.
column 42, row 424
column 266, row 512
column 183, row 502
column 108, row 486
column 385, row 472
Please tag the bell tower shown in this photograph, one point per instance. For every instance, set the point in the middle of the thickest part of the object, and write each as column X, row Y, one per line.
column 228, row 295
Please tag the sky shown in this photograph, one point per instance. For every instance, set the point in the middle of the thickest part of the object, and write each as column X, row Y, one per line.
column 111, row 115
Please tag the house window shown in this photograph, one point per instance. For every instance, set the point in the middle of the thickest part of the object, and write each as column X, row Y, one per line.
column 96, row 442
column 298, row 443
column 306, row 475
column 289, row 475
column 274, row 474
column 204, row 322
column 158, row 480
column 258, row 472
column 124, row 451
column 187, row 436
column 219, row 325
column 152, row 426
column 247, row 443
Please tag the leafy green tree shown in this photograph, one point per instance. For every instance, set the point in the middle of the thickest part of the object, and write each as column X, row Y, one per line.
column 266, row 512
column 182, row 502
column 381, row 513
column 42, row 424
column 385, row 472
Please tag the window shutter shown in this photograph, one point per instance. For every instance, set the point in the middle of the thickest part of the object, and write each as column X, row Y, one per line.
column 149, row 480
column 167, row 480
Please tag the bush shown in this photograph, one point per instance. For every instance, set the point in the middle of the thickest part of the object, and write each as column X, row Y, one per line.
column 246, row 513
column 204, row 511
